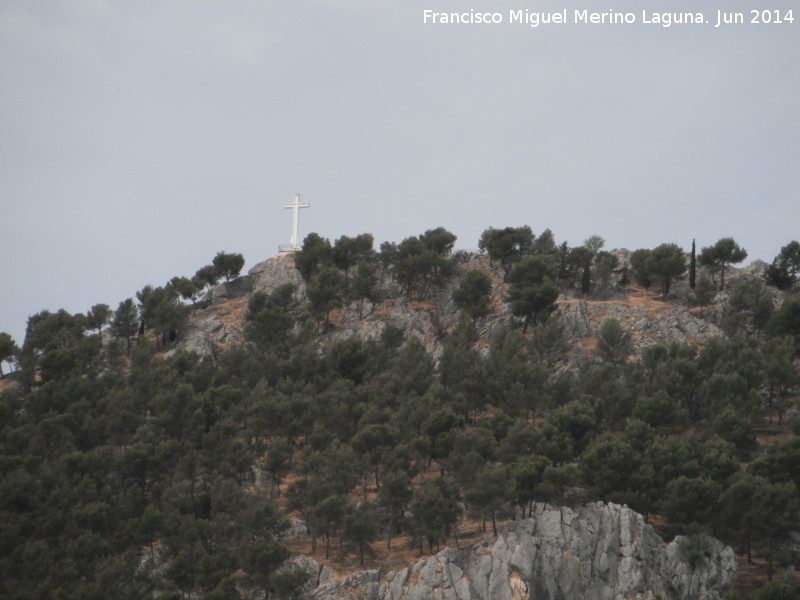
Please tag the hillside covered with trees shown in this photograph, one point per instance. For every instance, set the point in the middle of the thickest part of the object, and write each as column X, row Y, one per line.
column 131, row 467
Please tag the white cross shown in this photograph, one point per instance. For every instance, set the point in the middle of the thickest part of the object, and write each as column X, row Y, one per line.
column 295, row 206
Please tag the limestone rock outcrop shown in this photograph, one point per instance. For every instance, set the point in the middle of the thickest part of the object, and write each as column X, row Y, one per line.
column 663, row 324
column 220, row 321
column 596, row 552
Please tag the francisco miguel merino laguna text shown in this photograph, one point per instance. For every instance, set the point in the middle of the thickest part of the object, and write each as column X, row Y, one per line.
column 578, row 16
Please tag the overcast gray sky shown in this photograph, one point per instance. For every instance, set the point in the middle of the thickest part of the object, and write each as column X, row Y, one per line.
column 139, row 138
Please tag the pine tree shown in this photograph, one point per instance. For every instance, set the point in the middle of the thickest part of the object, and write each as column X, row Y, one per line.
column 725, row 252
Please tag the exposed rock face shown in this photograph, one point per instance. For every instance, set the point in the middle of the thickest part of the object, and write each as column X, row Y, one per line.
column 597, row 552
column 664, row 324
column 221, row 321
column 274, row 272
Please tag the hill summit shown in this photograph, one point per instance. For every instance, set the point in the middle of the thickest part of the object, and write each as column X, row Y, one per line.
column 648, row 317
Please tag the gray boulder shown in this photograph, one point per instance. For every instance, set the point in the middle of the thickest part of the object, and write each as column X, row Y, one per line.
column 274, row 272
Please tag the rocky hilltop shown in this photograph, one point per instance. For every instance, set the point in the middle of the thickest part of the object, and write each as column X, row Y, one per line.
column 649, row 319
column 597, row 552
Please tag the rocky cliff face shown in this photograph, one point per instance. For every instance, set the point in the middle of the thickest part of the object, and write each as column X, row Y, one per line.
column 597, row 552
column 221, row 321
column 650, row 321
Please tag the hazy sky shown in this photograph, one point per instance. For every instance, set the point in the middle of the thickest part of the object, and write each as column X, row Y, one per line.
column 139, row 138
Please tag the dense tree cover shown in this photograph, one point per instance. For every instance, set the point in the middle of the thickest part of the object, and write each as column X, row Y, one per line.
column 350, row 251
column 665, row 263
column 613, row 342
column 419, row 263
column 161, row 311
column 785, row 587
column 750, row 307
column 125, row 321
column 323, row 293
column 473, row 294
column 639, row 264
column 785, row 268
column 127, row 482
column 507, row 246
column 365, row 285
column 786, row 321
column 662, row 264
column 98, row 317
column 704, row 293
column 584, row 256
column 268, row 319
column 168, row 475
column 315, row 253
column 594, row 271
column 533, row 292
column 8, row 348
column 605, row 264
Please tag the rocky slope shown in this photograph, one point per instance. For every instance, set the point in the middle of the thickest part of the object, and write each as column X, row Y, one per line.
column 596, row 552
column 649, row 319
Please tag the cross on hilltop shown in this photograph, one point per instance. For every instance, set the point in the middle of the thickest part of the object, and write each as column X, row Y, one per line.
column 296, row 205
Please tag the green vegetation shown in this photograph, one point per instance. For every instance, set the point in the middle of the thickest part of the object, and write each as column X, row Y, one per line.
column 472, row 295
column 664, row 264
column 613, row 342
column 704, row 293
column 507, row 246
column 348, row 251
column 228, row 265
column 127, row 472
column 785, row 269
column 533, row 292
column 8, row 348
column 725, row 252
